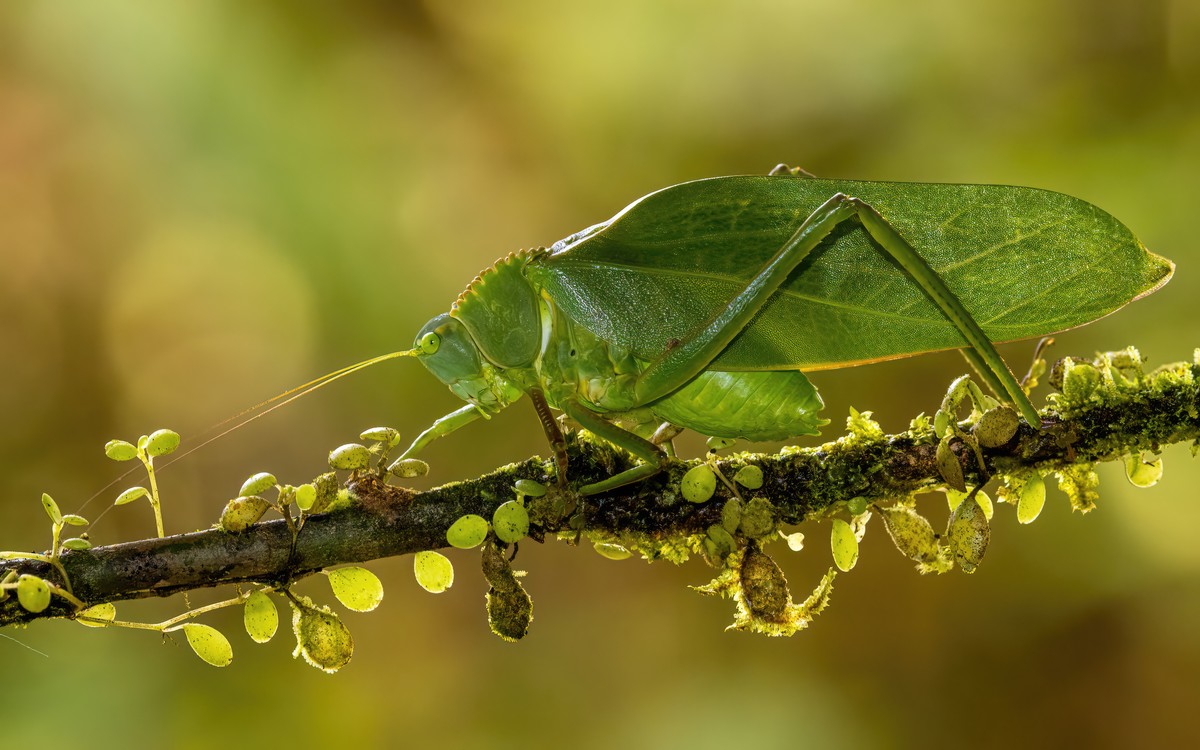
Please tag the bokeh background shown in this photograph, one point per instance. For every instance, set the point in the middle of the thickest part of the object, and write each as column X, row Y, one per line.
column 203, row 204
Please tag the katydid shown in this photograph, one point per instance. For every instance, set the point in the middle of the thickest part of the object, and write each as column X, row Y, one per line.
column 701, row 305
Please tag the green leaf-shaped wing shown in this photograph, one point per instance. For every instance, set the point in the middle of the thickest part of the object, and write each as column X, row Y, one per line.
column 1025, row 262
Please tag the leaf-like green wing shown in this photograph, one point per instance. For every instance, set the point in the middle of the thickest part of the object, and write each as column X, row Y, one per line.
column 1024, row 262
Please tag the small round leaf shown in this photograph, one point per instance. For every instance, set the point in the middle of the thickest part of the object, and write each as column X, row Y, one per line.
column 1141, row 473
column 33, row 593
column 941, row 423
column 76, row 543
column 529, row 488
column 433, row 571
column 857, row 505
column 698, row 484
column 306, row 495
column 328, row 489
column 723, row 542
column 749, row 476
column 407, row 468
column 260, row 617
column 356, row 588
column 52, row 510
column 350, row 457
column 954, row 497
column 98, row 616
column 968, row 535
column 997, row 426
column 844, row 544
column 382, row 435
column 321, row 638
column 911, row 532
column 949, row 466
column 511, row 522
column 611, row 551
column 120, row 450
column 242, row 512
column 208, row 643
column 162, row 442
column 73, row 520
column 467, row 532
column 1033, row 499
column 257, row 484
column 131, row 494
column 719, row 443
column 731, row 514
column 985, row 503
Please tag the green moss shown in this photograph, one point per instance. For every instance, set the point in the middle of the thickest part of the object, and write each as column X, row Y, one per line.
column 860, row 425
column 1080, row 482
column 758, row 519
column 674, row 549
column 760, row 591
column 509, row 607
column 911, row 532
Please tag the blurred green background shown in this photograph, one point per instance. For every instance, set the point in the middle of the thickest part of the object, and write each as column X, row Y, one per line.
column 202, row 204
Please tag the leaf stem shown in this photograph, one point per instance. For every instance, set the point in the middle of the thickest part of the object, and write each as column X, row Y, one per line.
column 158, row 521
column 168, row 626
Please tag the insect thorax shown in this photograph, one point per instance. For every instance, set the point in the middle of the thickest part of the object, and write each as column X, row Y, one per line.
column 500, row 309
column 576, row 363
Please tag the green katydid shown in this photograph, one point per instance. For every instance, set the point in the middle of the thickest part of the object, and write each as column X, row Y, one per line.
column 700, row 305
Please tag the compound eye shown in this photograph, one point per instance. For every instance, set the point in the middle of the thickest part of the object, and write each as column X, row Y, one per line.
column 429, row 343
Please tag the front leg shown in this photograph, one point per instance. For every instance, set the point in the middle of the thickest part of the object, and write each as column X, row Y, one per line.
column 554, row 433
column 442, row 427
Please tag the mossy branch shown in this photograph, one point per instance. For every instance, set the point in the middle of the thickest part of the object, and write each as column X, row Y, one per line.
column 1103, row 411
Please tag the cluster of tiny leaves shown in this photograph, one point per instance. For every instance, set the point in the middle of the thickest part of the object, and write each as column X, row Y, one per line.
column 33, row 592
column 148, row 447
column 763, row 602
column 509, row 525
column 509, row 607
column 322, row 639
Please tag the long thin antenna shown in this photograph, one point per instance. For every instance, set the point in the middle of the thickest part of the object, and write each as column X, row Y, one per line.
column 257, row 411
column 246, row 416
column 22, row 644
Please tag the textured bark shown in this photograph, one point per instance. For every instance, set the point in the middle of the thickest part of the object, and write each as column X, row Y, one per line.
column 1137, row 414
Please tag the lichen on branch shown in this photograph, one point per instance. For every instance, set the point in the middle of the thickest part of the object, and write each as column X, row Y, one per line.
column 1104, row 409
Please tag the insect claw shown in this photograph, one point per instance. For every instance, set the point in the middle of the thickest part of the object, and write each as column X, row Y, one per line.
column 783, row 170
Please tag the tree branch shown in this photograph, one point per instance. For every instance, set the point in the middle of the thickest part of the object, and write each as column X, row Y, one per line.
column 1104, row 410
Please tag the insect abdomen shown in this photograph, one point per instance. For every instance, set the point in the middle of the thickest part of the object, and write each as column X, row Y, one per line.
column 772, row 405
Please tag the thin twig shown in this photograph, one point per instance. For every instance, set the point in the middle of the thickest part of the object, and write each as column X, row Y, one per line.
column 1126, row 412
